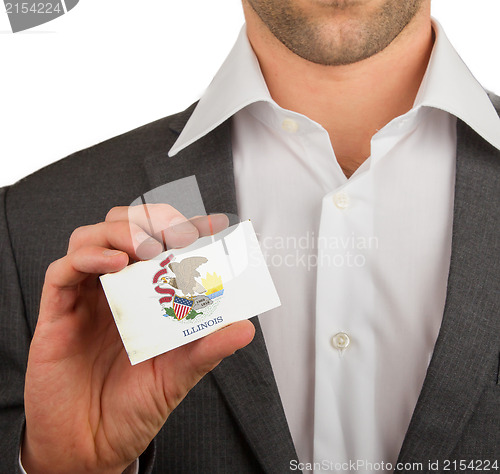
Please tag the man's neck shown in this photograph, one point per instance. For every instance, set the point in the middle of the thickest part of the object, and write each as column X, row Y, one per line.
column 351, row 102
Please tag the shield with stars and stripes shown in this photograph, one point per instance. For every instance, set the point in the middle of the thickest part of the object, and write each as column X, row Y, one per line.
column 182, row 307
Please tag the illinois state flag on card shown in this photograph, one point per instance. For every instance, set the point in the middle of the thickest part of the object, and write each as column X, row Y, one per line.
column 185, row 294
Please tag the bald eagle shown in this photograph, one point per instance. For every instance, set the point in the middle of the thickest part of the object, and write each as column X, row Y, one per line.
column 185, row 273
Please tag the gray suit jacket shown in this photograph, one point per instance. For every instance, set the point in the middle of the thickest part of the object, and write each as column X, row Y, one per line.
column 233, row 420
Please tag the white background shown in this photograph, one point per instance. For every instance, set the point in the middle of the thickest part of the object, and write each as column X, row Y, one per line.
column 109, row 66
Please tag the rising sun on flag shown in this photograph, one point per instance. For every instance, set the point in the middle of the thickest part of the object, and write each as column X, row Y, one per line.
column 213, row 283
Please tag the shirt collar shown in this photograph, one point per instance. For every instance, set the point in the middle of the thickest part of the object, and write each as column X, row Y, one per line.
column 450, row 86
column 238, row 83
column 447, row 85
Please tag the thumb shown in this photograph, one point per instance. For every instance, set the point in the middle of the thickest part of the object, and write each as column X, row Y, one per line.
column 207, row 352
column 195, row 359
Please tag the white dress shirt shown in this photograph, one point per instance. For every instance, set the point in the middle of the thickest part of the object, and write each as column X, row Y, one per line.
column 360, row 264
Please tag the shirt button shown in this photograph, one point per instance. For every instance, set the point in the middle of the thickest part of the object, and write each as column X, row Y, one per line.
column 341, row 200
column 289, row 125
column 340, row 341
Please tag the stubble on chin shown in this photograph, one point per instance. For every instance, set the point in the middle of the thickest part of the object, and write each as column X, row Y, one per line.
column 346, row 33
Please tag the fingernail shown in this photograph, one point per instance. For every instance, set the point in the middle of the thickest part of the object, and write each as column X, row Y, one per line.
column 180, row 225
column 111, row 253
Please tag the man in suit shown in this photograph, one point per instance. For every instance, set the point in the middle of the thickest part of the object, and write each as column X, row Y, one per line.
column 340, row 114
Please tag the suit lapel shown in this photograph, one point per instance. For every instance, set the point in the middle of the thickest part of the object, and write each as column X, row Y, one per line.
column 248, row 385
column 466, row 346
column 246, row 379
column 209, row 159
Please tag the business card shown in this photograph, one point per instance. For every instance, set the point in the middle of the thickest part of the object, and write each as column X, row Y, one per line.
column 185, row 294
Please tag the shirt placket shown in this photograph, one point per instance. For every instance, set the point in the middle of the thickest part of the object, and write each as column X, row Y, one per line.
column 343, row 311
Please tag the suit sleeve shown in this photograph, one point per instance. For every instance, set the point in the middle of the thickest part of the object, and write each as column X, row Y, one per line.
column 15, row 339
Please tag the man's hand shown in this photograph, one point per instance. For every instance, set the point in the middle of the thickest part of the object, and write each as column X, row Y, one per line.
column 87, row 409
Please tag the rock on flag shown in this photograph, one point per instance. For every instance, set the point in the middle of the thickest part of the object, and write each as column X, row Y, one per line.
column 28, row 14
